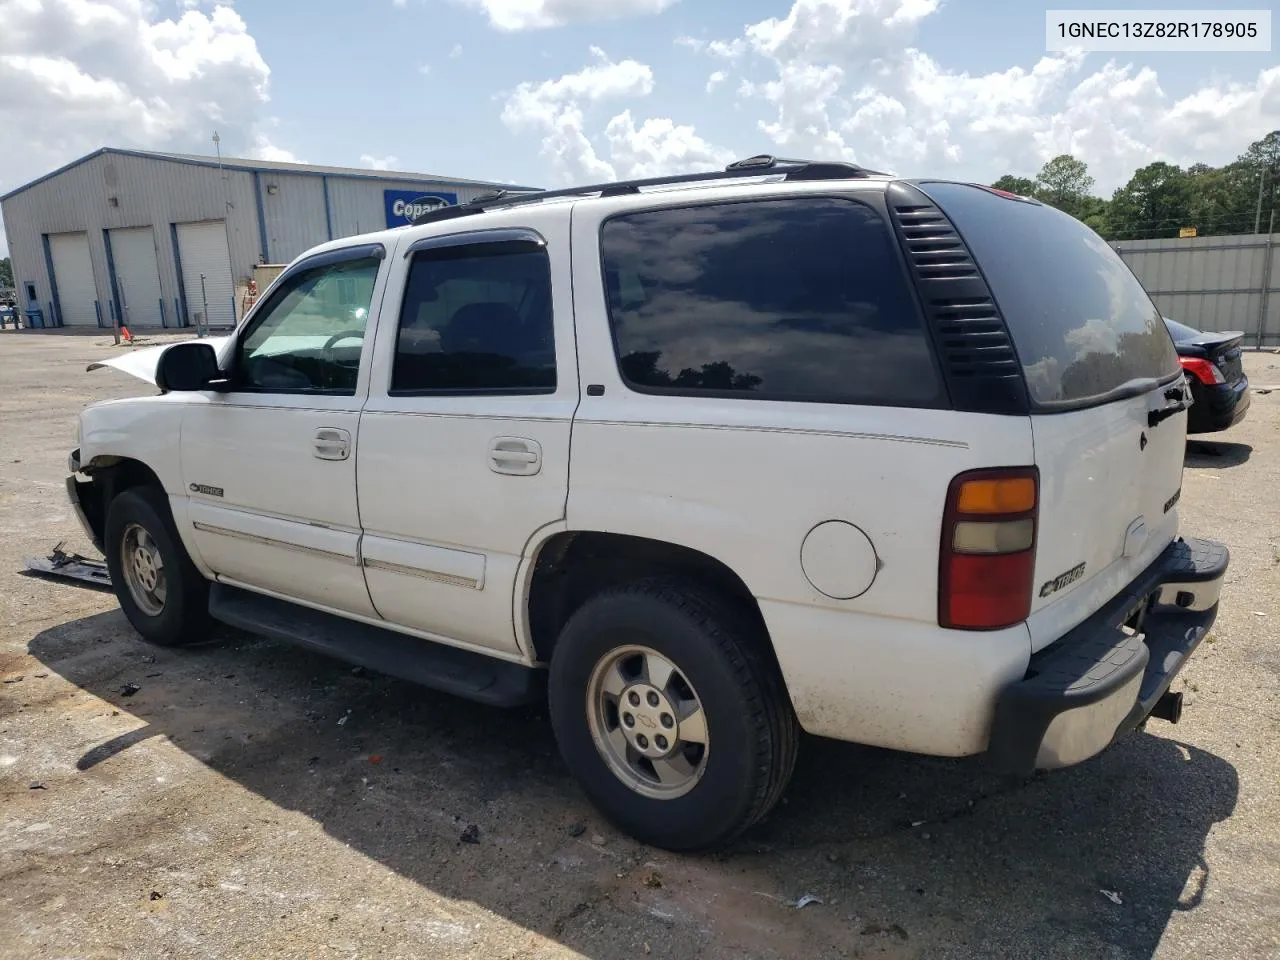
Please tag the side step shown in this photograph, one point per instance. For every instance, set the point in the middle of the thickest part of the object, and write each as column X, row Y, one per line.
column 462, row 673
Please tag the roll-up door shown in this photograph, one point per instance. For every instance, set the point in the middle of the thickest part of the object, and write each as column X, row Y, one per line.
column 206, row 272
column 73, row 276
column 133, row 252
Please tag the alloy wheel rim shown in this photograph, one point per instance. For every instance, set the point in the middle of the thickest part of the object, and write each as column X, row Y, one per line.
column 647, row 722
column 143, row 568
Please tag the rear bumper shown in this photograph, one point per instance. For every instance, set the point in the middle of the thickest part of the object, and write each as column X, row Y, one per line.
column 1218, row 407
column 1104, row 677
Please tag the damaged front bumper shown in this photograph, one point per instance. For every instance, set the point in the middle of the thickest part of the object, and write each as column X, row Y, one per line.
column 74, row 483
column 1105, row 677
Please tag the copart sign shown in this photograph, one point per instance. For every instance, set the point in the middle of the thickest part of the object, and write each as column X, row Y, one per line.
column 404, row 206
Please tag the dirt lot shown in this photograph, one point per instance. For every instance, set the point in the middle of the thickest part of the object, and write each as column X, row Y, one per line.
column 250, row 800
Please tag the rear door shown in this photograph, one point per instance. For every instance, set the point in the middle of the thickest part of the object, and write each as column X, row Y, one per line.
column 1105, row 386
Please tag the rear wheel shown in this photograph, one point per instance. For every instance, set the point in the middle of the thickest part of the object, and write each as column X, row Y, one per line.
column 668, row 714
column 159, row 589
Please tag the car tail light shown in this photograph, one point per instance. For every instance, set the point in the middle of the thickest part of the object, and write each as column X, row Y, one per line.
column 988, row 554
column 1202, row 370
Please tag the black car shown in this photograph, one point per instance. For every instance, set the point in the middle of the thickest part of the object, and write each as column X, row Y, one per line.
column 1212, row 363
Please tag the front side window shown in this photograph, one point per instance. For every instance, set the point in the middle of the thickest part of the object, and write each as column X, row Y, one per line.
column 477, row 319
column 310, row 337
column 793, row 299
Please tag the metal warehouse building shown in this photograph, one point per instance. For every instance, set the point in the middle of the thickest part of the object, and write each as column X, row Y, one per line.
column 159, row 239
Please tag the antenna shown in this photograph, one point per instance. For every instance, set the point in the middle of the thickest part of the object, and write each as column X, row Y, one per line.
column 226, row 200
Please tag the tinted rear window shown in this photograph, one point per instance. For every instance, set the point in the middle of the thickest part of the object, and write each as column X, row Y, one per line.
column 796, row 299
column 1081, row 323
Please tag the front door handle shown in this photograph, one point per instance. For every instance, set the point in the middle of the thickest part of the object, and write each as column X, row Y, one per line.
column 515, row 456
column 331, row 443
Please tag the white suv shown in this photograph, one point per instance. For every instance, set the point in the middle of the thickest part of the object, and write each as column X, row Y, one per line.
column 721, row 458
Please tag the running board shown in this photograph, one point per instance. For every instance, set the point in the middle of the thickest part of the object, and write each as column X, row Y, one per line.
column 462, row 673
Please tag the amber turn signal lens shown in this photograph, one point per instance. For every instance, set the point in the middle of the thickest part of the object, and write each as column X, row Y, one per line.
column 1005, row 495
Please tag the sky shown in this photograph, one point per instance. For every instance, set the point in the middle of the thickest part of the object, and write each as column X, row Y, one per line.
column 555, row 92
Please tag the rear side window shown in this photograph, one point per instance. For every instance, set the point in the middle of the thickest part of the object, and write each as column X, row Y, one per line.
column 794, row 299
column 1081, row 323
column 476, row 319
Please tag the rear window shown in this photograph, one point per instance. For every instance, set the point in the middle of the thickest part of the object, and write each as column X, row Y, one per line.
column 796, row 299
column 1081, row 323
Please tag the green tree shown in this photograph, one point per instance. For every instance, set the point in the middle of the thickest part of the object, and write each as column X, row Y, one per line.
column 1156, row 202
column 1065, row 182
column 1263, row 160
column 6, row 272
column 1096, row 213
column 1022, row 186
column 1221, row 199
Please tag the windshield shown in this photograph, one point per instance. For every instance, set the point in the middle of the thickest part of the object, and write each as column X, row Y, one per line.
column 1082, row 325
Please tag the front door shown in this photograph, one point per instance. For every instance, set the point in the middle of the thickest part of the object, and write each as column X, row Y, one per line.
column 464, row 443
column 269, row 463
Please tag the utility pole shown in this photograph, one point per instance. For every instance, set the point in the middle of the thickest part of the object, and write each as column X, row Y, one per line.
column 1257, row 217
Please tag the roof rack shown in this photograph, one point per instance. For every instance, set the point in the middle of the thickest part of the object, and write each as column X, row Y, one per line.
column 762, row 165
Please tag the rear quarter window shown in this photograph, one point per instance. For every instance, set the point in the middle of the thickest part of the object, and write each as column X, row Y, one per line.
column 791, row 299
column 1082, row 325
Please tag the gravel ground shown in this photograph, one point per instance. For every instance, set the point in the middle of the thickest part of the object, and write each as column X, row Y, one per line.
column 251, row 800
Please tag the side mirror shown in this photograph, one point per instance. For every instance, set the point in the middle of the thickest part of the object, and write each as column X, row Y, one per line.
column 186, row 367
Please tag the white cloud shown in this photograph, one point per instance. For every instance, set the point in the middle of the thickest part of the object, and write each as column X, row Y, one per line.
column 842, row 79
column 715, row 80
column 557, row 110
column 76, row 75
column 538, row 14
column 379, row 163
column 264, row 149
column 659, row 146
column 456, row 52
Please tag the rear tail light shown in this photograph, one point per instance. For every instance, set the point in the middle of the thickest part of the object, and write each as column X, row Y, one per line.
column 1202, row 370
column 988, row 554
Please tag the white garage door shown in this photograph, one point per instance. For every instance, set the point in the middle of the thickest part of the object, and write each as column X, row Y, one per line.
column 133, row 252
column 203, row 248
column 73, row 275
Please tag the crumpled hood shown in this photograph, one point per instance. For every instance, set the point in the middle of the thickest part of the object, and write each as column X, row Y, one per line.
column 142, row 363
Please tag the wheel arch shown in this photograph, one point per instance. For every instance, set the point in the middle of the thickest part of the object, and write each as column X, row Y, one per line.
column 570, row 566
column 109, row 476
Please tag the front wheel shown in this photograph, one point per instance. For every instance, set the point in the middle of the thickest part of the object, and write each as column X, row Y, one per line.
column 668, row 714
column 159, row 589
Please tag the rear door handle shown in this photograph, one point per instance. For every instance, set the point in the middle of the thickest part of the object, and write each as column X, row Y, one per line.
column 515, row 456
column 331, row 443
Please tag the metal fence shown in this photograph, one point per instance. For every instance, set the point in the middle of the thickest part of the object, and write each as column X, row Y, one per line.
column 1213, row 283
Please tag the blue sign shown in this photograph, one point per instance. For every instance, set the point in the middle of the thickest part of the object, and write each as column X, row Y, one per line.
column 403, row 206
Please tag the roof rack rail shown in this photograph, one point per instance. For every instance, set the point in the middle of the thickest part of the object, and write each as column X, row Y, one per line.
column 758, row 166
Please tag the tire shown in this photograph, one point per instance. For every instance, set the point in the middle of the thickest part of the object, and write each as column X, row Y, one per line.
column 751, row 734
column 183, row 615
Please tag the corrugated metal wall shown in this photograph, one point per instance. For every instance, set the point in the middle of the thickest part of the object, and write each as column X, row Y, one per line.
column 1213, row 283
column 293, row 207
column 147, row 192
column 275, row 225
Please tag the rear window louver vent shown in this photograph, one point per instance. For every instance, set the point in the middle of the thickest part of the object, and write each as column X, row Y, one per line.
column 971, row 337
